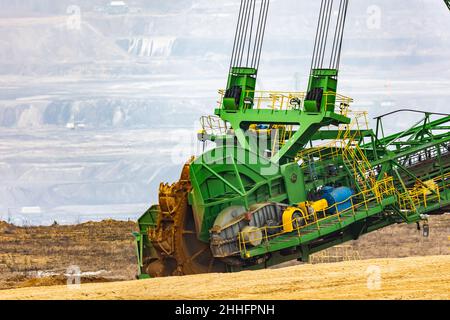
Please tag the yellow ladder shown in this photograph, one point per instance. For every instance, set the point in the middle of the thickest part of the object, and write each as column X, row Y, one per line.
column 354, row 155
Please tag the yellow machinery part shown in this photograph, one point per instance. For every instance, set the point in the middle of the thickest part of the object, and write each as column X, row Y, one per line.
column 431, row 186
column 302, row 209
column 302, row 206
column 288, row 217
column 320, row 205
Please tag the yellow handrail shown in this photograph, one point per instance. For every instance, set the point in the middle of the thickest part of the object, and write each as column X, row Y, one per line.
column 420, row 196
column 283, row 100
column 343, row 140
column 213, row 125
column 384, row 187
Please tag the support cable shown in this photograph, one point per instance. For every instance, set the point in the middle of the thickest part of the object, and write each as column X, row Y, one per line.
column 241, row 33
column 263, row 33
column 317, row 35
column 249, row 35
column 326, row 31
column 258, row 33
column 236, row 35
column 321, row 48
column 247, row 20
column 335, row 40
column 251, row 32
column 322, row 31
column 320, row 35
column 342, row 36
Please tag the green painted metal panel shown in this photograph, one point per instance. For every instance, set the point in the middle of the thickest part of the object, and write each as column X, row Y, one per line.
column 294, row 181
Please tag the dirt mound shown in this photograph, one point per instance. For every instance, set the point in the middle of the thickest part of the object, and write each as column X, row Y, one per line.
column 41, row 282
column 401, row 278
column 92, row 246
column 58, row 280
column 5, row 227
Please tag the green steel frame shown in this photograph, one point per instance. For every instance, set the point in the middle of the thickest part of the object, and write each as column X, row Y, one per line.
column 315, row 115
column 218, row 186
column 224, row 176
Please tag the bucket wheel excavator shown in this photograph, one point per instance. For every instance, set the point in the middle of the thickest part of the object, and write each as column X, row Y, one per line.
column 288, row 174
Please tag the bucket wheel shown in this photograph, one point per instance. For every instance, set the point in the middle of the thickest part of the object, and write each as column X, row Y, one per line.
column 192, row 255
column 177, row 250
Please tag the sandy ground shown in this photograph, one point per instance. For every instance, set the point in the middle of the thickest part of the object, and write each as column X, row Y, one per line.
column 400, row 278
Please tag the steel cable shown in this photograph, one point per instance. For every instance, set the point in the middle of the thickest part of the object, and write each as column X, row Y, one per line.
column 258, row 33
column 335, row 39
column 249, row 35
column 251, row 32
column 326, row 31
column 236, row 35
column 342, row 35
column 247, row 20
column 240, row 35
column 318, row 32
column 263, row 33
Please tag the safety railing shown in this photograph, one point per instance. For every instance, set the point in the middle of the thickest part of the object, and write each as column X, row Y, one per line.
column 413, row 199
column 383, row 187
column 345, row 139
column 361, row 168
column 213, row 125
column 354, row 156
column 364, row 200
column 335, row 254
column 281, row 100
column 443, row 179
column 346, row 147
column 284, row 133
column 328, row 151
column 423, row 195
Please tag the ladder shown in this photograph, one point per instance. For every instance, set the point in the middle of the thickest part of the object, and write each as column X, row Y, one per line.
column 354, row 157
